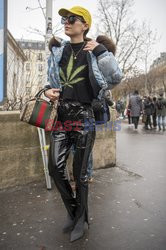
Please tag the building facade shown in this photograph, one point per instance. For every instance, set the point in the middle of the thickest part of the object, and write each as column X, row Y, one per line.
column 16, row 89
column 158, row 74
column 34, row 68
column 159, row 62
column 26, row 71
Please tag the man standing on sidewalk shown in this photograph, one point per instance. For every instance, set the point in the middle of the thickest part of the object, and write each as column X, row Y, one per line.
column 161, row 111
column 135, row 105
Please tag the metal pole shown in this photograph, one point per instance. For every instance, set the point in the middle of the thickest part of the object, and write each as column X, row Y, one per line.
column 3, row 51
column 49, row 5
column 44, row 149
column 41, row 132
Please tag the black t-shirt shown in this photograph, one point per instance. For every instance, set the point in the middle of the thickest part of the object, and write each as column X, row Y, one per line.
column 74, row 74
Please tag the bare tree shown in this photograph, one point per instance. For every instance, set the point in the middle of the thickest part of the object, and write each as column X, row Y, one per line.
column 116, row 20
column 16, row 87
column 55, row 29
column 150, row 39
column 156, row 82
column 162, row 78
column 130, row 84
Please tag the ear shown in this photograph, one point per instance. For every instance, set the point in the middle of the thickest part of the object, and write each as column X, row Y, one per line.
column 86, row 26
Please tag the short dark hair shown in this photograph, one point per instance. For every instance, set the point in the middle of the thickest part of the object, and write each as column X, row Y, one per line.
column 136, row 92
column 161, row 94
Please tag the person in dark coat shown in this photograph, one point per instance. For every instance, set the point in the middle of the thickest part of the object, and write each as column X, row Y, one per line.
column 154, row 115
column 135, row 104
column 161, row 111
column 118, row 108
column 148, row 110
column 128, row 113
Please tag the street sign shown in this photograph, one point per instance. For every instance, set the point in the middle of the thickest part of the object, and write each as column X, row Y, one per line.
column 3, row 49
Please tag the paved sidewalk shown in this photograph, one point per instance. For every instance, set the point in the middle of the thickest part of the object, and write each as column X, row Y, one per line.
column 127, row 204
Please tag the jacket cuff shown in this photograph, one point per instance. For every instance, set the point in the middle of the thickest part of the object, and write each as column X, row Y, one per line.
column 47, row 87
column 99, row 49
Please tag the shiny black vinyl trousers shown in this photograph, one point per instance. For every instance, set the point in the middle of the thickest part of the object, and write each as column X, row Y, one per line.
column 78, row 129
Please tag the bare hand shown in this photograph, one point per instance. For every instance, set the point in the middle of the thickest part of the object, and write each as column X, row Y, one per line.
column 52, row 94
column 91, row 45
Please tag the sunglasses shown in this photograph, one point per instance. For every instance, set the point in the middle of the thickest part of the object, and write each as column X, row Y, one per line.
column 71, row 19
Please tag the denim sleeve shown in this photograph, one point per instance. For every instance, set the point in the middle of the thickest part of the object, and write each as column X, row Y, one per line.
column 51, row 73
column 110, row 69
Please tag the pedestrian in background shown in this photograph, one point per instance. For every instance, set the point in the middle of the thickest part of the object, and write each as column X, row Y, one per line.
column 118, row 108
column 161, row 111
column 148, row 111
column 128, row 113
column 135, row 104
column 154, row 115
column 123, row 105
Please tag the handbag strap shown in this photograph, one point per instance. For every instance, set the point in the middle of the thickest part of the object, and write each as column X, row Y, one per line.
column 40, row 92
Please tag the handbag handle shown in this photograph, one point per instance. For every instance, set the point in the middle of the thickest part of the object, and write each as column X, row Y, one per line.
column 40, row 93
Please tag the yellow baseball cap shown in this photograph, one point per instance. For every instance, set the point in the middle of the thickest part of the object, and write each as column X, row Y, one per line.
column 77, row 10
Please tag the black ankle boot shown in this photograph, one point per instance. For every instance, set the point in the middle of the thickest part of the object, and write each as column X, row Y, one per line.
column 79, row 229
column 69, row 224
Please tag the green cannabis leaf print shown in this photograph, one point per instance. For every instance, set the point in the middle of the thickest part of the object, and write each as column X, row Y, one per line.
column 71, row 78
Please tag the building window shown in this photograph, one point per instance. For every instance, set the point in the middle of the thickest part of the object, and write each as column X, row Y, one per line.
column 40, row 79
column 28, row 66
column 28, row 78
column 28, row 54
column 40, row 57
column 40, row 67
column 28, row 90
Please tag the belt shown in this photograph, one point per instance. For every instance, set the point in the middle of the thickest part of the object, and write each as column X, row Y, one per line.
column 73, row 103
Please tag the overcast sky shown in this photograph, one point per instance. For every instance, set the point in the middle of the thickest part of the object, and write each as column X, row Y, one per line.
column 19, row 19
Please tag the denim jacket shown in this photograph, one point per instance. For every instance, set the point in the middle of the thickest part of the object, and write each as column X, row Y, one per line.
column 104, row 72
